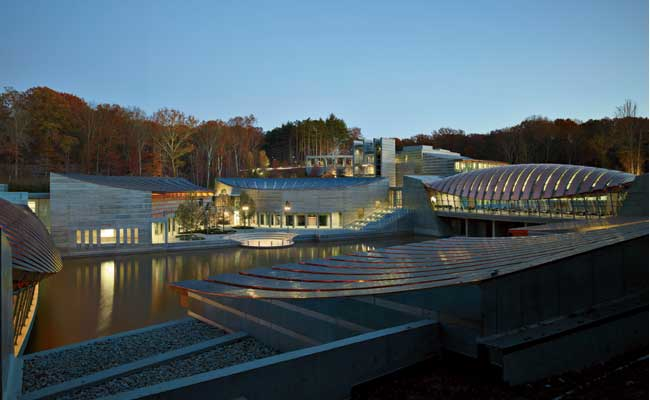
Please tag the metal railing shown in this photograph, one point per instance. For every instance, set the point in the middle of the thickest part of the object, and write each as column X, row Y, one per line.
column 22, row 299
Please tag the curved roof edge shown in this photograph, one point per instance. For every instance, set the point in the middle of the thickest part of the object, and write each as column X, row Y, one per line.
column 297, row 183
column 531, row 181
column 32, row 250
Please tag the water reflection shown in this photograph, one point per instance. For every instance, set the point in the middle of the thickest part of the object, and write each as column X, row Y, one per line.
column 100, row 296
column 107, row 282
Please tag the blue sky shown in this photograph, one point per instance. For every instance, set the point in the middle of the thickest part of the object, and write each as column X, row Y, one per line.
column 391, row 68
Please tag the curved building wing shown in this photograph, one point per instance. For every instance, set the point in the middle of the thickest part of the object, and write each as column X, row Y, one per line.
column 33, row 252
column 531, row 182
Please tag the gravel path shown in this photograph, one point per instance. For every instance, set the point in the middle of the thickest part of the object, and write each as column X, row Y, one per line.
column 219, row 357
column 57, row 367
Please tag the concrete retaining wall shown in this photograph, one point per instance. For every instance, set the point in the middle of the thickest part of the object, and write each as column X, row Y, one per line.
column 327, row 371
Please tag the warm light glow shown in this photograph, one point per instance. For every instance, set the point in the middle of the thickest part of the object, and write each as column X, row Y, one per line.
column 245, row 208
column 107, row 293
column 433, row 199
column 107, row 233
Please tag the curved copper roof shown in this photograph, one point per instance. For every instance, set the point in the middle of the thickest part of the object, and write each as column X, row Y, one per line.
column 32, row 251
column 530, row 182
column 452, row 261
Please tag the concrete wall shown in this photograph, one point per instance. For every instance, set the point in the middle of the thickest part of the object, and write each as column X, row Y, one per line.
column 416, row 199
column 327, row 371
column 76, row 205
column 565, row 286
column 636, row 203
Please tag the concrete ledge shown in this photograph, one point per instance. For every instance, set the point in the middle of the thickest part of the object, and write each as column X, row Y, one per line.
column 327, row 371
column 134, row 366
column 572, row 342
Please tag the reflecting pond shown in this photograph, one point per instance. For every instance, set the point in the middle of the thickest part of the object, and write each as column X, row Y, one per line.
column 99, row 296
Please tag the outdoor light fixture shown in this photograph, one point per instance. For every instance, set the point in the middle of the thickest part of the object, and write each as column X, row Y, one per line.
column 287, row 206
column 244, row 208
column 433, row 199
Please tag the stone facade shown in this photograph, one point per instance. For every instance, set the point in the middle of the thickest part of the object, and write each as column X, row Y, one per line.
column 76, row 205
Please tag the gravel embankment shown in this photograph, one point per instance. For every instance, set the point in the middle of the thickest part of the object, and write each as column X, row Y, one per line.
column 61, row 366
column 247, row 349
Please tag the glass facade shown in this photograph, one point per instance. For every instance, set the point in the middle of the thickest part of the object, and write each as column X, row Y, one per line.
column 594, row 206
column 547, row 190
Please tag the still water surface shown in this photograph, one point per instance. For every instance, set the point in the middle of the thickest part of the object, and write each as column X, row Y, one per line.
column 99, row 296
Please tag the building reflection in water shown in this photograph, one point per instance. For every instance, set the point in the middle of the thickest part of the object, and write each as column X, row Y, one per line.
column 107, row 293
column 98, row 296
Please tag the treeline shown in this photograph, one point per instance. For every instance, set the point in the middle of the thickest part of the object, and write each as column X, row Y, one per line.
column 290, row 143
column 619, row 143
column 43, row 130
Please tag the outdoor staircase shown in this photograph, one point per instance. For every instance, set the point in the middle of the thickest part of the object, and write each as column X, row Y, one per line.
column 379, row 219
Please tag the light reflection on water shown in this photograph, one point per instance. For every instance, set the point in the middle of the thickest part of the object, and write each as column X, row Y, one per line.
column 99, row 296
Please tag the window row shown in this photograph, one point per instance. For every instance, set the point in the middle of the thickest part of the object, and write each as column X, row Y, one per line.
column 108, row 236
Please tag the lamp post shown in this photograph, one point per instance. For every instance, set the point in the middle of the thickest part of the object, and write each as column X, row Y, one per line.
column 287, row 208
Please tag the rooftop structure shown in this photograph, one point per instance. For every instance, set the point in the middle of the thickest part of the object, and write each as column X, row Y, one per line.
column 550, row 301
column 153, row 184
column 439, row 263
column 375, row 158
column 329, row 165
column 564, row 191
column 295, row 183
column 425, row 160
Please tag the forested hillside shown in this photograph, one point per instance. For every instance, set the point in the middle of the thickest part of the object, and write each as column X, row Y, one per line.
column 43, row 130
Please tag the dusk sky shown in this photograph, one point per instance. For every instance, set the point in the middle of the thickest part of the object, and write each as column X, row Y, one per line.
column 390, row 68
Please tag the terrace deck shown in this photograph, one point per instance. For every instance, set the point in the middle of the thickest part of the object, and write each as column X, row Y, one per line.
column 438, row 263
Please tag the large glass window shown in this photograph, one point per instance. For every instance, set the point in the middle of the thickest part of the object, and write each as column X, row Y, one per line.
column 135, row 236
column 323, row 220
column 108, row 236
column 288, row 220
column 78, row 234
column 301, row 220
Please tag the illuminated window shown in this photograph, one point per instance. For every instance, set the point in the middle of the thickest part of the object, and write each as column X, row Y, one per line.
column 548, row 178
column 87, row 236
column 94, row 236
column 78, row 234
column 108, row 236
column 128, row 235
column 597, row 179
column 557, row 184
column 121, row 235
column 135, row 235
column 571, row 180
column 527, row 179
column 32, row 205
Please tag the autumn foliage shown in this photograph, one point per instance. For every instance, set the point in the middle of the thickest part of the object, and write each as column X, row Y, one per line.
column 42, row 130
